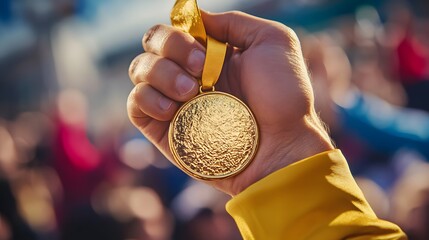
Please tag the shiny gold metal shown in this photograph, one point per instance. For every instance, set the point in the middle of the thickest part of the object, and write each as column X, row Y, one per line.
column 213, row 136
column 211, row 90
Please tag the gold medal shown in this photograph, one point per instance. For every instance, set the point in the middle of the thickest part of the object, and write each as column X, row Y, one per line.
column 214, row 135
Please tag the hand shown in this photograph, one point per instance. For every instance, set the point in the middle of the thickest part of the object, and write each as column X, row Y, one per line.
column 264, row 67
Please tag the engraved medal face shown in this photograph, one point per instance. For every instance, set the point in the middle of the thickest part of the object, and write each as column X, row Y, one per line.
column 213, row 136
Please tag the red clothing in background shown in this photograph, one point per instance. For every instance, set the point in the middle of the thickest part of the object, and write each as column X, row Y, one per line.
column 413, row 65
column 77, row 162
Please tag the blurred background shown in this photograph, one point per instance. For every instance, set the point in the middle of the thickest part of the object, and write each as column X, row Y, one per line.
column 73, row 167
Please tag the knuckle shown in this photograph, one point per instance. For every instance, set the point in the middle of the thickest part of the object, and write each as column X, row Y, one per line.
column 133, row 110
column 157, row 70
column 131, row 100
column 144, row 67
column 176, row 35
column 162, row 39
column 235, row 14
column 163, row 66
column 280, row 32
column 137, row 93
column 151, row 67
column 133, row 66
column 132, row 105
column 150, row 33
column 154, row 38
column 175, row 40
column 291, row 33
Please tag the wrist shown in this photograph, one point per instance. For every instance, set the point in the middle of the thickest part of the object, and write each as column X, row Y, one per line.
column 308, row 138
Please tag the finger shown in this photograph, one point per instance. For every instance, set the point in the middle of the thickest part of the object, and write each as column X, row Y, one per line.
column 164, row 75
column 180, row 47
column 239, row 29
column 236, row 28
column 144, row 101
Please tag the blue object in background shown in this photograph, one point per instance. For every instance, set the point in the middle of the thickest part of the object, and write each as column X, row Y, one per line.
column 386, row 127
column 88, row 9
column 5, row 10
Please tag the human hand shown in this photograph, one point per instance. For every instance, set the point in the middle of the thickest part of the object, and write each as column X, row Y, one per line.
column 264, row 67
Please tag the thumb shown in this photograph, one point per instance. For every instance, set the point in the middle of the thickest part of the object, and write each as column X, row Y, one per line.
column 236, row 28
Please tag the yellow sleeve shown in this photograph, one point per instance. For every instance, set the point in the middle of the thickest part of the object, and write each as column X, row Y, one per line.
column 315, row 198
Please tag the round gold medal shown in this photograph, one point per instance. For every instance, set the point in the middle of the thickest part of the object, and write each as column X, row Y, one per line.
column 213, row 136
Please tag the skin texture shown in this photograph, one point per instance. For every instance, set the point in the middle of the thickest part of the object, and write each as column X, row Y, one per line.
column 264, row 67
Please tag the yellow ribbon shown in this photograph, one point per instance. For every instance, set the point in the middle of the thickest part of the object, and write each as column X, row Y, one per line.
column 186, row 16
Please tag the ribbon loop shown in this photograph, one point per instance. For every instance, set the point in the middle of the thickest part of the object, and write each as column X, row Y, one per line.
column 187, row 17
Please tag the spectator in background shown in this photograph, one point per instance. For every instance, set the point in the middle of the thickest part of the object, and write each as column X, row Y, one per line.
column 412, row 56
column 76, row 159
column 345, row 108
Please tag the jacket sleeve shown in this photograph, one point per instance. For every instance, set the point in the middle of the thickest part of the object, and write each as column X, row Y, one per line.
column 315, row 198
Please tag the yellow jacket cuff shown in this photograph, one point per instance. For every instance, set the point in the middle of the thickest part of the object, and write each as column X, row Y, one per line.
column 315, row 198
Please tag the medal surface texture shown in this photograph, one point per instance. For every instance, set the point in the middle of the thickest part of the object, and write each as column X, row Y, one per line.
column 213, row 136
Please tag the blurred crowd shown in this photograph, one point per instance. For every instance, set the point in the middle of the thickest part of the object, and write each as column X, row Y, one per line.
column 73, row 167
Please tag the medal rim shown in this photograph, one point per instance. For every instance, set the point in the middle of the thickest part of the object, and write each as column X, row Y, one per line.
column 198, row 175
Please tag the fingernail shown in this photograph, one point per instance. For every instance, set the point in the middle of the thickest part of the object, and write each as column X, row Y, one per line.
column 184, row 84
column 196, row 60
column 165, row 103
